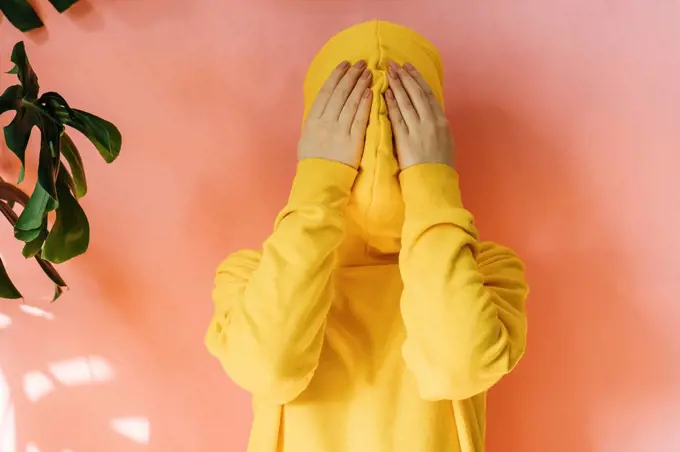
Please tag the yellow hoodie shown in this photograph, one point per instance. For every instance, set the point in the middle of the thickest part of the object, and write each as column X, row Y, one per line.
column 373, row 319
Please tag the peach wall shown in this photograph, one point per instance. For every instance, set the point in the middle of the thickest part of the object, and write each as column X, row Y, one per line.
column 566, row 116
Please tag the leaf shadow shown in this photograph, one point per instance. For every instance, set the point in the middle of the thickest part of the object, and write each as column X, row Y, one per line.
column 90, row 14
column 85, row 15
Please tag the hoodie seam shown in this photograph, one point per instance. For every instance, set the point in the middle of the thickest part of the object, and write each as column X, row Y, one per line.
column 369, row 225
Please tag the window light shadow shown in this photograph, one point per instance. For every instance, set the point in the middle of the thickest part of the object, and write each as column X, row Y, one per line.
column 82, row 370
column 36, row 312
column 5, row 321
column 134, row 428
column 8, row 442
column 37, row 385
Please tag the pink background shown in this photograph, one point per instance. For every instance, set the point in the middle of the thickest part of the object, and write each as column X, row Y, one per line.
column 566, row 117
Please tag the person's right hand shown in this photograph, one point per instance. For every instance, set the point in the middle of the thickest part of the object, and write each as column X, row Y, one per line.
column 336, row 124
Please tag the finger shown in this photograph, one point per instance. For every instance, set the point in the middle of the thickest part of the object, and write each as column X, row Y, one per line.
column 343, row 90
column 418, row 77
column 399, row 127
column 360, row 121
column 349, row 111
column 418, row 98
column 319, row 104
column 408, row 112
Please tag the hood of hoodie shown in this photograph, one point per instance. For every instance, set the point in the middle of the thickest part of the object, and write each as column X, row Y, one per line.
column 375, row 212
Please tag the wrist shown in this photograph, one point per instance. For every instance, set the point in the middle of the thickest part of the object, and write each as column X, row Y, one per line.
column 406, row 162
column 322, row 181
column 351, row 164
column 430, row 184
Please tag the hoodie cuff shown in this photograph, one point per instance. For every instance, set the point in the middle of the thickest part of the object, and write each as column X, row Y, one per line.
column 430, row 186
column 323, row 182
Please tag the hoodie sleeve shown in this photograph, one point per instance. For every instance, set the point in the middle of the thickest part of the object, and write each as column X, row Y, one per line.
column 464, row 301
column 270, row 308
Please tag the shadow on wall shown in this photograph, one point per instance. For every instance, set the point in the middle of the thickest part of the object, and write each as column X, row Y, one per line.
column 89, row 15
column 46, row 386
column 590, row 351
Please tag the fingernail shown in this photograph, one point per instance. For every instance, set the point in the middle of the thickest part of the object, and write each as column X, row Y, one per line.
column 389, row 94
column 366, row 75
column 410, row 67
column 367, row 93
column 391, row 72
column 360, row 64
column 343, row 65
column 394, row 66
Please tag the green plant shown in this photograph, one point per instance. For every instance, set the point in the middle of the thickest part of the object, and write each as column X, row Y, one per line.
column 59, row 184
column 22, row 15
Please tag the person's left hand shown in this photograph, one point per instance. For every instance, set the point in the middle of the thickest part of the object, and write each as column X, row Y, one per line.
column 421, row 131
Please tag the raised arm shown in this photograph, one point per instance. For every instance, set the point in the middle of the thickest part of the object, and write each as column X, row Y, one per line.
column 271, row 306
column 464, row 301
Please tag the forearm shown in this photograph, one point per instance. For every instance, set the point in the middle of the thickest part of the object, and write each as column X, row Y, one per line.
column 462, row 336
column 274, row 328
column 289, row 294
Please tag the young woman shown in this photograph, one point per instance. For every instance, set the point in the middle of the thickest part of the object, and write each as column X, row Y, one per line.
column 373, row 319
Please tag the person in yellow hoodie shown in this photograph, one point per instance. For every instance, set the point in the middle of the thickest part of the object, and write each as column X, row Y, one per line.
column 373, row 319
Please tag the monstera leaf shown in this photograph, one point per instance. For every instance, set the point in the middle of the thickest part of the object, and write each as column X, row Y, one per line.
column 22, row 15
column 61, row 178
column 11, row 194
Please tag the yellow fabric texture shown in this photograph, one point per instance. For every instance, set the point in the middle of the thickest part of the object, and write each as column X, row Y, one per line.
column 373, row 319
